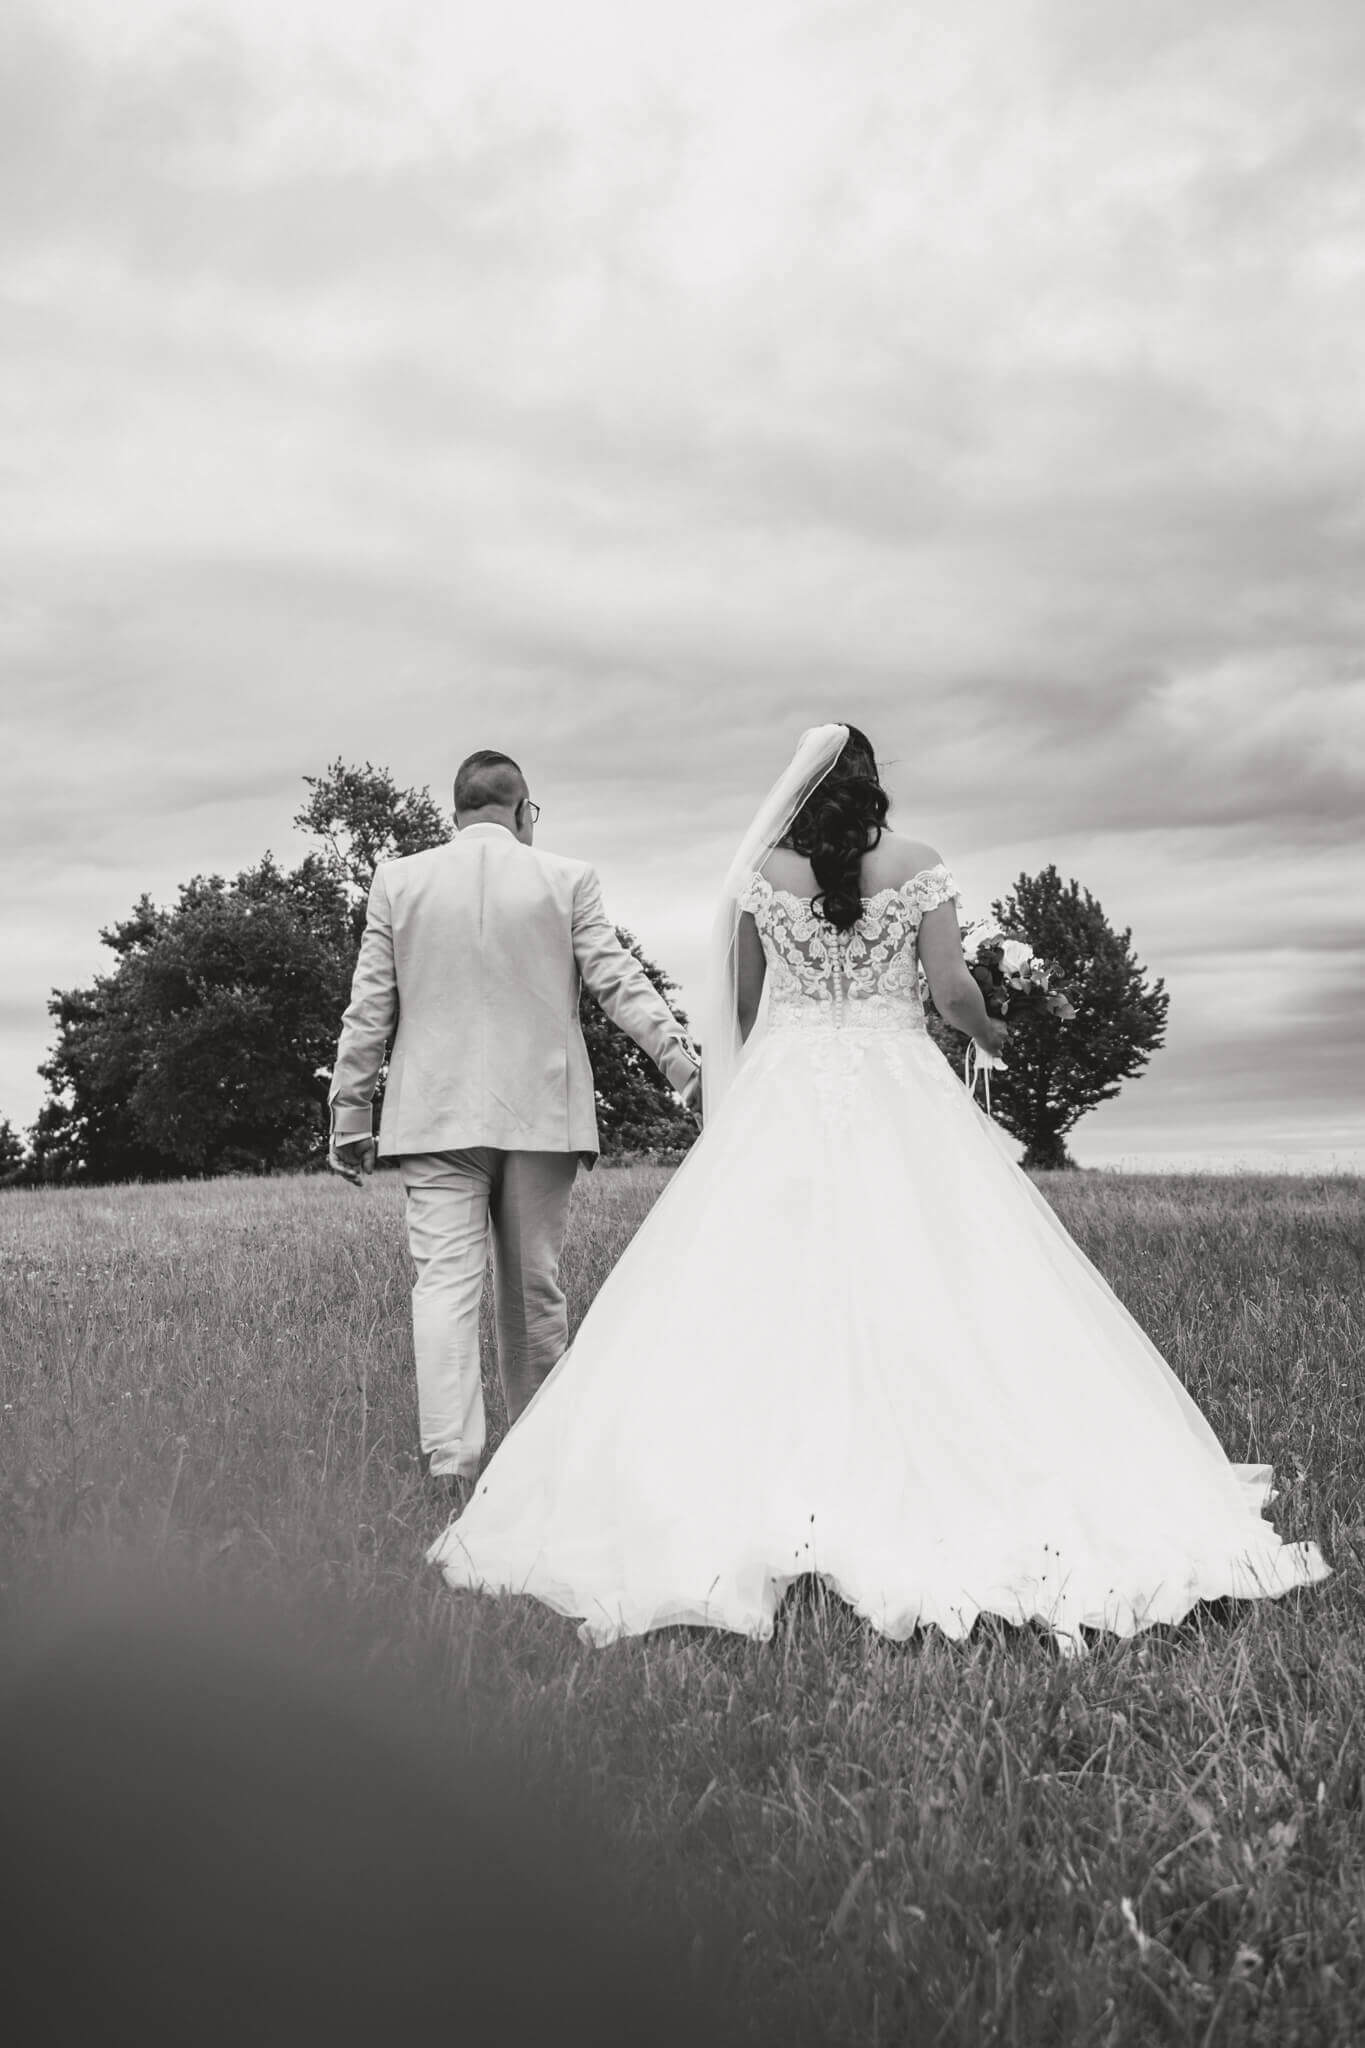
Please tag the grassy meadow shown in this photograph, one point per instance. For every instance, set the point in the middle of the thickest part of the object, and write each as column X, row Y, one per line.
column 864, row 1842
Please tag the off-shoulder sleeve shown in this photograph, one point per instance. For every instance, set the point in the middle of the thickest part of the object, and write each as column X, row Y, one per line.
column 932, row 886
column 757, row 891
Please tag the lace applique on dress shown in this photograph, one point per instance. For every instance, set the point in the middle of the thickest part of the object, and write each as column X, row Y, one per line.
column 864, row 979
column 756, row 892
column 933, row 886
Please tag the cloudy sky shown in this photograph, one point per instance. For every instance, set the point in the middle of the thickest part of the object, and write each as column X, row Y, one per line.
column 630, row 387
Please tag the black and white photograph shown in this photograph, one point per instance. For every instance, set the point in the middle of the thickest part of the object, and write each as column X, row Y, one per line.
column 682, row 1138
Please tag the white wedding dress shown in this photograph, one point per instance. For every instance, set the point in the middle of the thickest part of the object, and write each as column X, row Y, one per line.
column 852, row 1339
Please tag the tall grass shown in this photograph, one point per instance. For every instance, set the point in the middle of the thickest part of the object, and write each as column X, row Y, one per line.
column 867, row 1842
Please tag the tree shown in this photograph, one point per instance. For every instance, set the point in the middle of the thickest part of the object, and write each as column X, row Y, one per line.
column 209, row 1045
column 86, row 1130
column 1057, row 1070
column 13, row 1155
column 637, row 1111
column 362, row 818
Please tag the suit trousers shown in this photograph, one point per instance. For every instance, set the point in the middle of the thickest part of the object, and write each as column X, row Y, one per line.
column 456, row 1201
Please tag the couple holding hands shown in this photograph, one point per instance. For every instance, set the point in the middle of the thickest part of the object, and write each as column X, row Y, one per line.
column 850, row 1340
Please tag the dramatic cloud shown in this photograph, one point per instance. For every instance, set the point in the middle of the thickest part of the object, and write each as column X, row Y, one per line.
column 631, row 392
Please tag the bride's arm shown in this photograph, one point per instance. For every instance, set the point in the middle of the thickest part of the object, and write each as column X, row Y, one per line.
column 956, row 996
column 750, row 968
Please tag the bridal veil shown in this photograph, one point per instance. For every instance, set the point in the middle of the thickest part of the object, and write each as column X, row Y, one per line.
column 722, row 1045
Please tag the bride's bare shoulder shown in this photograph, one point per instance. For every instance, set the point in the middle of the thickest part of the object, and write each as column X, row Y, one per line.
column 899, row 858
column 788, row 870
column 894, row 859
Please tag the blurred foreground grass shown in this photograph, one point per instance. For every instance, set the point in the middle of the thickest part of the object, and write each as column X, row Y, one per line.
column 211, row 1384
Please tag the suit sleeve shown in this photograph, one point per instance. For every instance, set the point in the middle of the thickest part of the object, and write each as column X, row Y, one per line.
column 618, row 981
column 368, row 1023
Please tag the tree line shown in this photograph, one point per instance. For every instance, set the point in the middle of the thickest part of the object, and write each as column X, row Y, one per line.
column 207, row 1046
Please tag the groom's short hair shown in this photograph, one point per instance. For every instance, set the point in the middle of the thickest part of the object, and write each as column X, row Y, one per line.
column 488, row 778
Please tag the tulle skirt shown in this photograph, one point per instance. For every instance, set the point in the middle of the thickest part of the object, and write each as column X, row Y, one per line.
column 852, row 1339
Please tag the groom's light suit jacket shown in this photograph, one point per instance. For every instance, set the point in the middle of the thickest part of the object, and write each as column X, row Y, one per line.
column 471, row 964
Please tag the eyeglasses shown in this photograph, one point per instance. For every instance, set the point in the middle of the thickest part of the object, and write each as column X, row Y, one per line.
column 532, row 807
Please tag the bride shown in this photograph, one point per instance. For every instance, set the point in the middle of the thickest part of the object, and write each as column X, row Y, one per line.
column 851, row 1338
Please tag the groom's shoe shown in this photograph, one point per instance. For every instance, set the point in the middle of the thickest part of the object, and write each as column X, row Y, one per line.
column 456, row 1487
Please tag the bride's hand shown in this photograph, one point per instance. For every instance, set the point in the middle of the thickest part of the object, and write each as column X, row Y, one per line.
column 992, row 1039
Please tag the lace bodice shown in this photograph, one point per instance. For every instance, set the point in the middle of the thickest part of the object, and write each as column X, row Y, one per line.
column 866, row 978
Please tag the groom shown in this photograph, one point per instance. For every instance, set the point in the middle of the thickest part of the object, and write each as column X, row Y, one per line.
column 471, row 964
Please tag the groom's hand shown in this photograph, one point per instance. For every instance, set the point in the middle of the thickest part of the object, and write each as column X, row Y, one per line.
column 691, row 1098
column 352, row 1157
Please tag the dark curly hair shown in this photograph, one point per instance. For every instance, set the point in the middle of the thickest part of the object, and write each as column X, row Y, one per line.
column 840, row 821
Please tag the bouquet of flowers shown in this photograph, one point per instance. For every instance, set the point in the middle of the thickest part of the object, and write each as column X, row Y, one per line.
column 1010, row 976
column 1007, row 971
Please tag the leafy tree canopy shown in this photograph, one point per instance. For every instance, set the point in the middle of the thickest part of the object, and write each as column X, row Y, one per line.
column 1058, row 1069
column 13, row 1154
column 208, row 1045
column 637, row 1111
column 363, row 818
